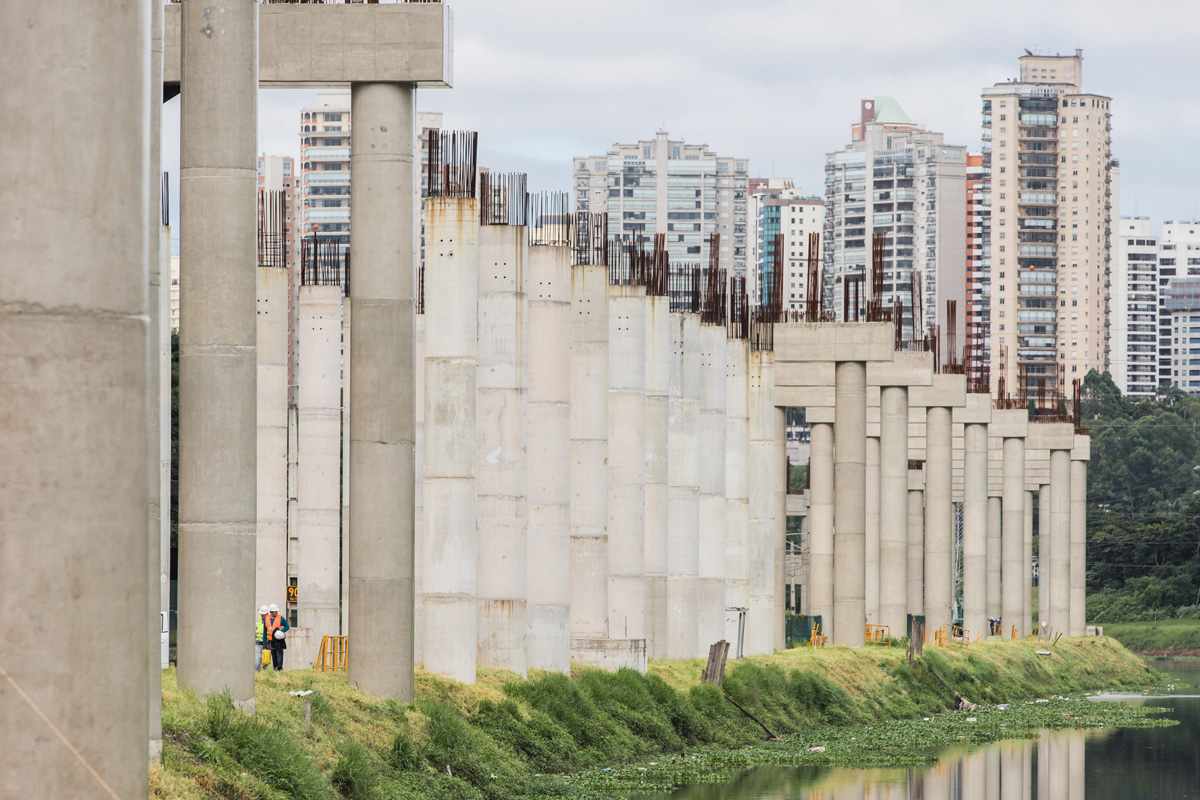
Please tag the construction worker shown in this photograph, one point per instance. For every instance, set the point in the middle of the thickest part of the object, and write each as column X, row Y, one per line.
column 260, row 637
column 276, row 626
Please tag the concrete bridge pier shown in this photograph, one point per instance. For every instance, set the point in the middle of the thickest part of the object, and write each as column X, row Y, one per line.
column 737, row 508
column 1011, row 427
column 657, row 492
column 683, row 475
column 1080, row 455
column 1043, row 553
column 975, row 417
column 710, row 590
column 893, row 499
column 916, row 541
column 995, row 556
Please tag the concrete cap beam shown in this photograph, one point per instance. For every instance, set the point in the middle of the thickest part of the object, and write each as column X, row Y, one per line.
column 834, row 341
column 945, row 391
column 1051, row 436
column 1009, row 423
column 804, row 373
column 976, row 411
column 1082, row 451
column 905, row 369
column 332, row 45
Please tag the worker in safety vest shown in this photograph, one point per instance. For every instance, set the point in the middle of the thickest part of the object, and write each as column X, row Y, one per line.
column 260, row 637
column 276, row 625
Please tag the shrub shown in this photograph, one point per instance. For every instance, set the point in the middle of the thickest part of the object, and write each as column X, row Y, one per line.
column 355, row 775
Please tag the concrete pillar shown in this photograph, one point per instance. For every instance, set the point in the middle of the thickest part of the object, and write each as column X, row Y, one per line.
column 419, row 587
column 158, row 424
column 1060, row 541
column 737, row 508
column 779, row 519
column 1043, row 558
column 382, row 410
column 418, row 379
column 318, row 514
column 217, row 371
column 916, row 552
column 849, row 503
column 547, row 431
column 710, row 589
column 820, row 513
column 502, row 478
column 626, row 453
column 975, row 513
column 74, row 570
column 939, row 529
column 994, row 557
column 683, row 475
column 1012, row 579
column 893, row 500
column 657, row 497
column 589, row 452
column 449, row 554
column 1027, row 567
column 1077, row 615
column 871, row 538
column 272, row 354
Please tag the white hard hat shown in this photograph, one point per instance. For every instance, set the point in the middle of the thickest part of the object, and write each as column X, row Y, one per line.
column 274, row 608
column 279, row 633
column 262, row 609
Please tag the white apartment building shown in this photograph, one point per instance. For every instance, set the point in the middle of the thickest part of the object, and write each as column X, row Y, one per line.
column 664, row 185
column 1181, row 306
column 758, row 191
column 1134, row 305
column 901, row 180
column 1178, row 257
column 1047, row 148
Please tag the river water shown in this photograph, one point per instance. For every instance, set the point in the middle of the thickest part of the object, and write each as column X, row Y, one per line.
column 1135, row 764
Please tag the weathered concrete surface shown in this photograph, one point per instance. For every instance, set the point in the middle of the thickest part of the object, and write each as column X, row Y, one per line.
column 321, row 45
column 382, row 411
column 820, row 537
column 1012, row 580
column 589, row 455
column 547, row 434
column 1043, row 554
column 272, row 358
column 849, row 505
column 318, row 490
column 871, row 538
column 683, row 475
column 737, row 498
column 995, row 556
column 626, row 471
column 73, row 459
column 1027, row 566
column 893, row 498
column 939, row 529
column 975, row 529
column 916, row 549
column 450, row 547
column 710, row 590
column 217, row 369
column 1078, row 539
column 1060, row 541
column 657, row 453
column 502, row 460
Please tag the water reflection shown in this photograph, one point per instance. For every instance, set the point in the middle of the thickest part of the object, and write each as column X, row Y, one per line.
column 1135, row 764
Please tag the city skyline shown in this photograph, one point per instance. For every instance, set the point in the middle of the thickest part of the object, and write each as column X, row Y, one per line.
column 790, row 98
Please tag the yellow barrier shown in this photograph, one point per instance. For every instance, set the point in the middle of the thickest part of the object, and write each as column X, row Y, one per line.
column 333, row 655
column 816, row 639
column 876, row 633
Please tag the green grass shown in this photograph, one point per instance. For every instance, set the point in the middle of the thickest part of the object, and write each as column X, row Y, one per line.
column 508, row 738
column 1176, row 636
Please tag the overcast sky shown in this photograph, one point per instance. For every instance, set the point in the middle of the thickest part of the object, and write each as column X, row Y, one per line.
column 778, row 81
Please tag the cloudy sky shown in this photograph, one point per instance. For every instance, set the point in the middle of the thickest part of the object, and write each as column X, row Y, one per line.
column 778, row 81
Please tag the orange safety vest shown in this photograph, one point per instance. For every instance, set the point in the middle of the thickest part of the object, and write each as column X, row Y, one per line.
column 272, row 623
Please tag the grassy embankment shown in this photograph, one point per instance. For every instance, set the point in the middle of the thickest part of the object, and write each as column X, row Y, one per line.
column 1166, row 638
column 612, row 735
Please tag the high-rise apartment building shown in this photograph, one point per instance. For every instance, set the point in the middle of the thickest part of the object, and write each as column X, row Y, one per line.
column 1181, row 309
column 758, row 191
column 794, row 217
column 978, row 323
column 1047, row 149
column 897, row 179
column 1178, row 257
column 1133, row 308
column 325, row 167
column 667, row 186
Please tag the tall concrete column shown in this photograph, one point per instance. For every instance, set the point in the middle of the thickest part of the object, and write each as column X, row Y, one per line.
column 893, row 499
column 382, row 404
column 626, row 453
column 657, row 496
column 272, row 355
column 871, row 538
column 995, row 558
column 547, row 431
column 1027, row 567
column 419, row 398
column 449, row 553
column 939, row 528
column 158, row 424
column 1043, row 527
column 318, row 491
column 1077, row 615
column 820, row 513
column 589, row 452
column 737, row 508
column 1060, row 541
column 1012, row 580
column 779, row 520
column 916, row 552
column 849, row 509
column 74, row 570
column 710, row 589
column 975, row 513
column 217, row 370
column 502, row 478
column 683, row 475
column 418, row 382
